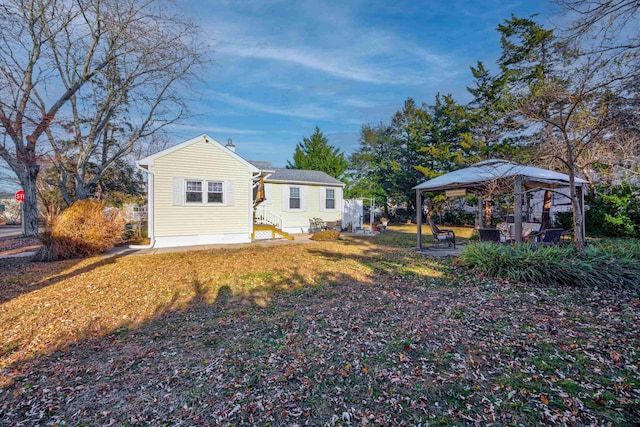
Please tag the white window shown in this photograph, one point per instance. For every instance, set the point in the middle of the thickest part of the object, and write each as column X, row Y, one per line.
column 330, row 199
column 294, row 197
column 205, row 192
column 215, row 192
column 194, row 192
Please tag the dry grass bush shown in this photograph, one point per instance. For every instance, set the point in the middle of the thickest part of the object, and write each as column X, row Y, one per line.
column 325, row 235
column 83, row 229
column 607, row 264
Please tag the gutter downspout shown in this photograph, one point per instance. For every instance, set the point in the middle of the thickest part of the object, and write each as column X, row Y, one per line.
column 150, row 201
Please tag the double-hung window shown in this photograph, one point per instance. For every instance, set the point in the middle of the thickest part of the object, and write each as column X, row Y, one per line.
column 204, row 192
column 194, row 192
column 214, row 192
column 294, row 197
column 330, row 198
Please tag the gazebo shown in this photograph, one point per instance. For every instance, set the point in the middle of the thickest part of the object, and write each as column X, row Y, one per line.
column 480, row 176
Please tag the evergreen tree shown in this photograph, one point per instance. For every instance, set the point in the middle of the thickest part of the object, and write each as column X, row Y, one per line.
column 491, row 124
column 315, row 153
column 373, row 164
column 529, row 51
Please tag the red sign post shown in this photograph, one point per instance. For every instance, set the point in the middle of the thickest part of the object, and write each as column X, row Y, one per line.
column 20, row 196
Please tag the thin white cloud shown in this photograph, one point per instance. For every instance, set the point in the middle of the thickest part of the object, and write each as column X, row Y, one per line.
column 302, row 111
column 345, row 49
column 357, row 103
column 212, row 128
column 308, row 59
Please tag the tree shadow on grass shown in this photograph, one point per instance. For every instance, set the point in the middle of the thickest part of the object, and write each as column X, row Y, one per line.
column 127, row 374
column 297, row 348
column 28, row 277
column 101, row 368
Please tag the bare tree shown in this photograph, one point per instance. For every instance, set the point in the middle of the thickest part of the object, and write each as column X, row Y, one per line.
column 72, row 66
column 603, row 26
column 578, row 116
column 138, row 94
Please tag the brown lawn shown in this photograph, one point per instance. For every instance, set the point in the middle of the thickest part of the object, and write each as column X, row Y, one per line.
column 358, row 331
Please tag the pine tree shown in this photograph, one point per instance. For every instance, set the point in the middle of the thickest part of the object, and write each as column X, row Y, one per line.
column 315, row 153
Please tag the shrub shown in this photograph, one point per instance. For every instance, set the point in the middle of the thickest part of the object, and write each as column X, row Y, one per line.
column 459, row 218
column 615, row 212
column 83, row 229
column 604, row 266
column 564, row 220
column 325, row 235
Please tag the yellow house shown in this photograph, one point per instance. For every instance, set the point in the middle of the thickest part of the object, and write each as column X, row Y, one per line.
column 201, row 192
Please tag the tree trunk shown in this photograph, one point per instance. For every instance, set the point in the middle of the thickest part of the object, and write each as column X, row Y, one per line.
column 82, row 191
column 487, row 212
column 578, row 237
column 546, row 209
column 27, row 177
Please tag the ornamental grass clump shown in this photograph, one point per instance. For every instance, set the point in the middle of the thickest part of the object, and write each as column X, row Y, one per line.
column 83, row 229
column 325, row 235
column 604, row 266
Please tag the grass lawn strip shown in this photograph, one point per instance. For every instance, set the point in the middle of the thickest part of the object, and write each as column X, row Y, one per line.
column 331, row 333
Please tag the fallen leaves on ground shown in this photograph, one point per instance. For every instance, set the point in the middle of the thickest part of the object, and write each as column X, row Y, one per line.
column 16, row 245
column 336, row 333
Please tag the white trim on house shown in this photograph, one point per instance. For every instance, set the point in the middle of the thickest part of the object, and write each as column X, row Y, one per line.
column 323, row 200
column 201, row 239
column 150, row 203
column 180, row 191
column 298, row 182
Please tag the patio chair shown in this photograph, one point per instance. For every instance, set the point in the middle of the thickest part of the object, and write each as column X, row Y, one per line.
column 490, row 235
column 442, row 235
column 548, row 237
column 316, row 224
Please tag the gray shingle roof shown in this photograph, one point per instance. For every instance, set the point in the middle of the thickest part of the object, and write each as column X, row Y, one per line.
column 262, row 165
column 295, row 175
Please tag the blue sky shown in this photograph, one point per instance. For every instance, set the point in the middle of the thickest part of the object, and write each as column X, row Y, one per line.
column 282, row 67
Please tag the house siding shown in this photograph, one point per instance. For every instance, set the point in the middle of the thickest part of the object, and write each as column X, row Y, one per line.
column 201, row 161
column 297, row 221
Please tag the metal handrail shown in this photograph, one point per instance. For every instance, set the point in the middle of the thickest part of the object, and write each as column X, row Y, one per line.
column 265, row 216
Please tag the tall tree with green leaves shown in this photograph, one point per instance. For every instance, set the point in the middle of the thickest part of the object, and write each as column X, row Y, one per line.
column 492, row 123
column 421, row 142
column 529, row 51
column 408, row 131
column 447, row 143
column 315, row 153
column 373, row 164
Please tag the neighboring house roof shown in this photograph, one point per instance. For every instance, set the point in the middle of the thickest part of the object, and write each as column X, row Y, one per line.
column 490, row 170
column 150, row 159
column 296, row 175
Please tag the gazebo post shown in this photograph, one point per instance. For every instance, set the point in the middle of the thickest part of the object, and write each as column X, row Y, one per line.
column 419, row 216
column 480, row 213
column 517, row 210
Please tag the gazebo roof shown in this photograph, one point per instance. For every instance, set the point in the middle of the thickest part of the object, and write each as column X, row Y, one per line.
column 489, row 170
